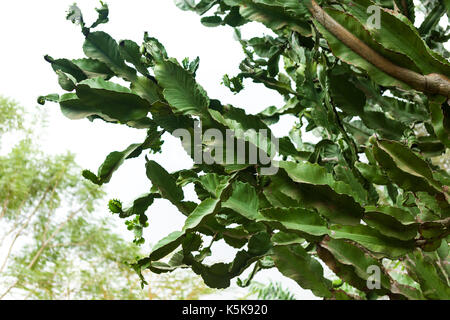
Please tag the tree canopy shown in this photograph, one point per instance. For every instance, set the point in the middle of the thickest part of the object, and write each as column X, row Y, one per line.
column 366, row 201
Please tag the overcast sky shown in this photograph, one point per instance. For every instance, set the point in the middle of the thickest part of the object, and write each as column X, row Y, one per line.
column 32, row 29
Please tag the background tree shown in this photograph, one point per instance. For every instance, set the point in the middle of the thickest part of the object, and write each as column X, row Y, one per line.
column 12, row 116
column 54, row 243
column 365, row 200
column 272, row 291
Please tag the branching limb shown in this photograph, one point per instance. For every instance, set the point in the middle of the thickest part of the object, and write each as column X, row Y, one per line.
column 432, row 83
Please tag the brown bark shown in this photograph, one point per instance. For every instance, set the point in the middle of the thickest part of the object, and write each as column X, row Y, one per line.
column 4, row 207
column 432, row 83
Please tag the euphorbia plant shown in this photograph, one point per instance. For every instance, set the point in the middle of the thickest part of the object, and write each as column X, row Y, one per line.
column 366, row 200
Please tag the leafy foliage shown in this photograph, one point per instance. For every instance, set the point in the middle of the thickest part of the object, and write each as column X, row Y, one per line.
column 272, row 291
column 366, row 195
column 12, row 116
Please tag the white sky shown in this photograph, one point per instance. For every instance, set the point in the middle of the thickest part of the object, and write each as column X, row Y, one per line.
column 31, row 29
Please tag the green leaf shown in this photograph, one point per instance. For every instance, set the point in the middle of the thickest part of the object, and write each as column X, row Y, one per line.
column 200, row 7
column 350, row 255
column 89, row 175
column 203, row 210
column 313, row 174
column 408, row 161
column 215, row 276
column 164, row 182
column 372, row 173
column 306, row 172
column 94, row 68
column 346, row 175
column 244, row 201
column 372, row 240
column 317, row 205
column 424, row 272
column 166, row 245
column 147, row 89
column 155, row 51
column 282, row 191
column 295, row 263
column 66, row 81
column 180, row 89
column 389, row 226
column 406, row 8
column 234, row 18
column 103, row 13
column 286, row 238
column 346, row 96
column 139, row 206
column 405, row 180
column 192, row 242
column 272, row 14
column 385, row 126
column 130, row 52
column 346, row 273
column 296, row 219
column 112, row 162
column 115, row 159
column 107, row 100
column 439, row 205
column 259, row 244
column 101, row 46
column 50, row 97
column 252, row 129
column 440, row 119
column 401, row 215
column 66, row 66
column 213, row 183
column 212, row 21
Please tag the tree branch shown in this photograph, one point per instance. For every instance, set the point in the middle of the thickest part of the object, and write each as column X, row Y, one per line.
column 4, row 207
column 22, row 228
column 53, row 235
column 432, row 83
